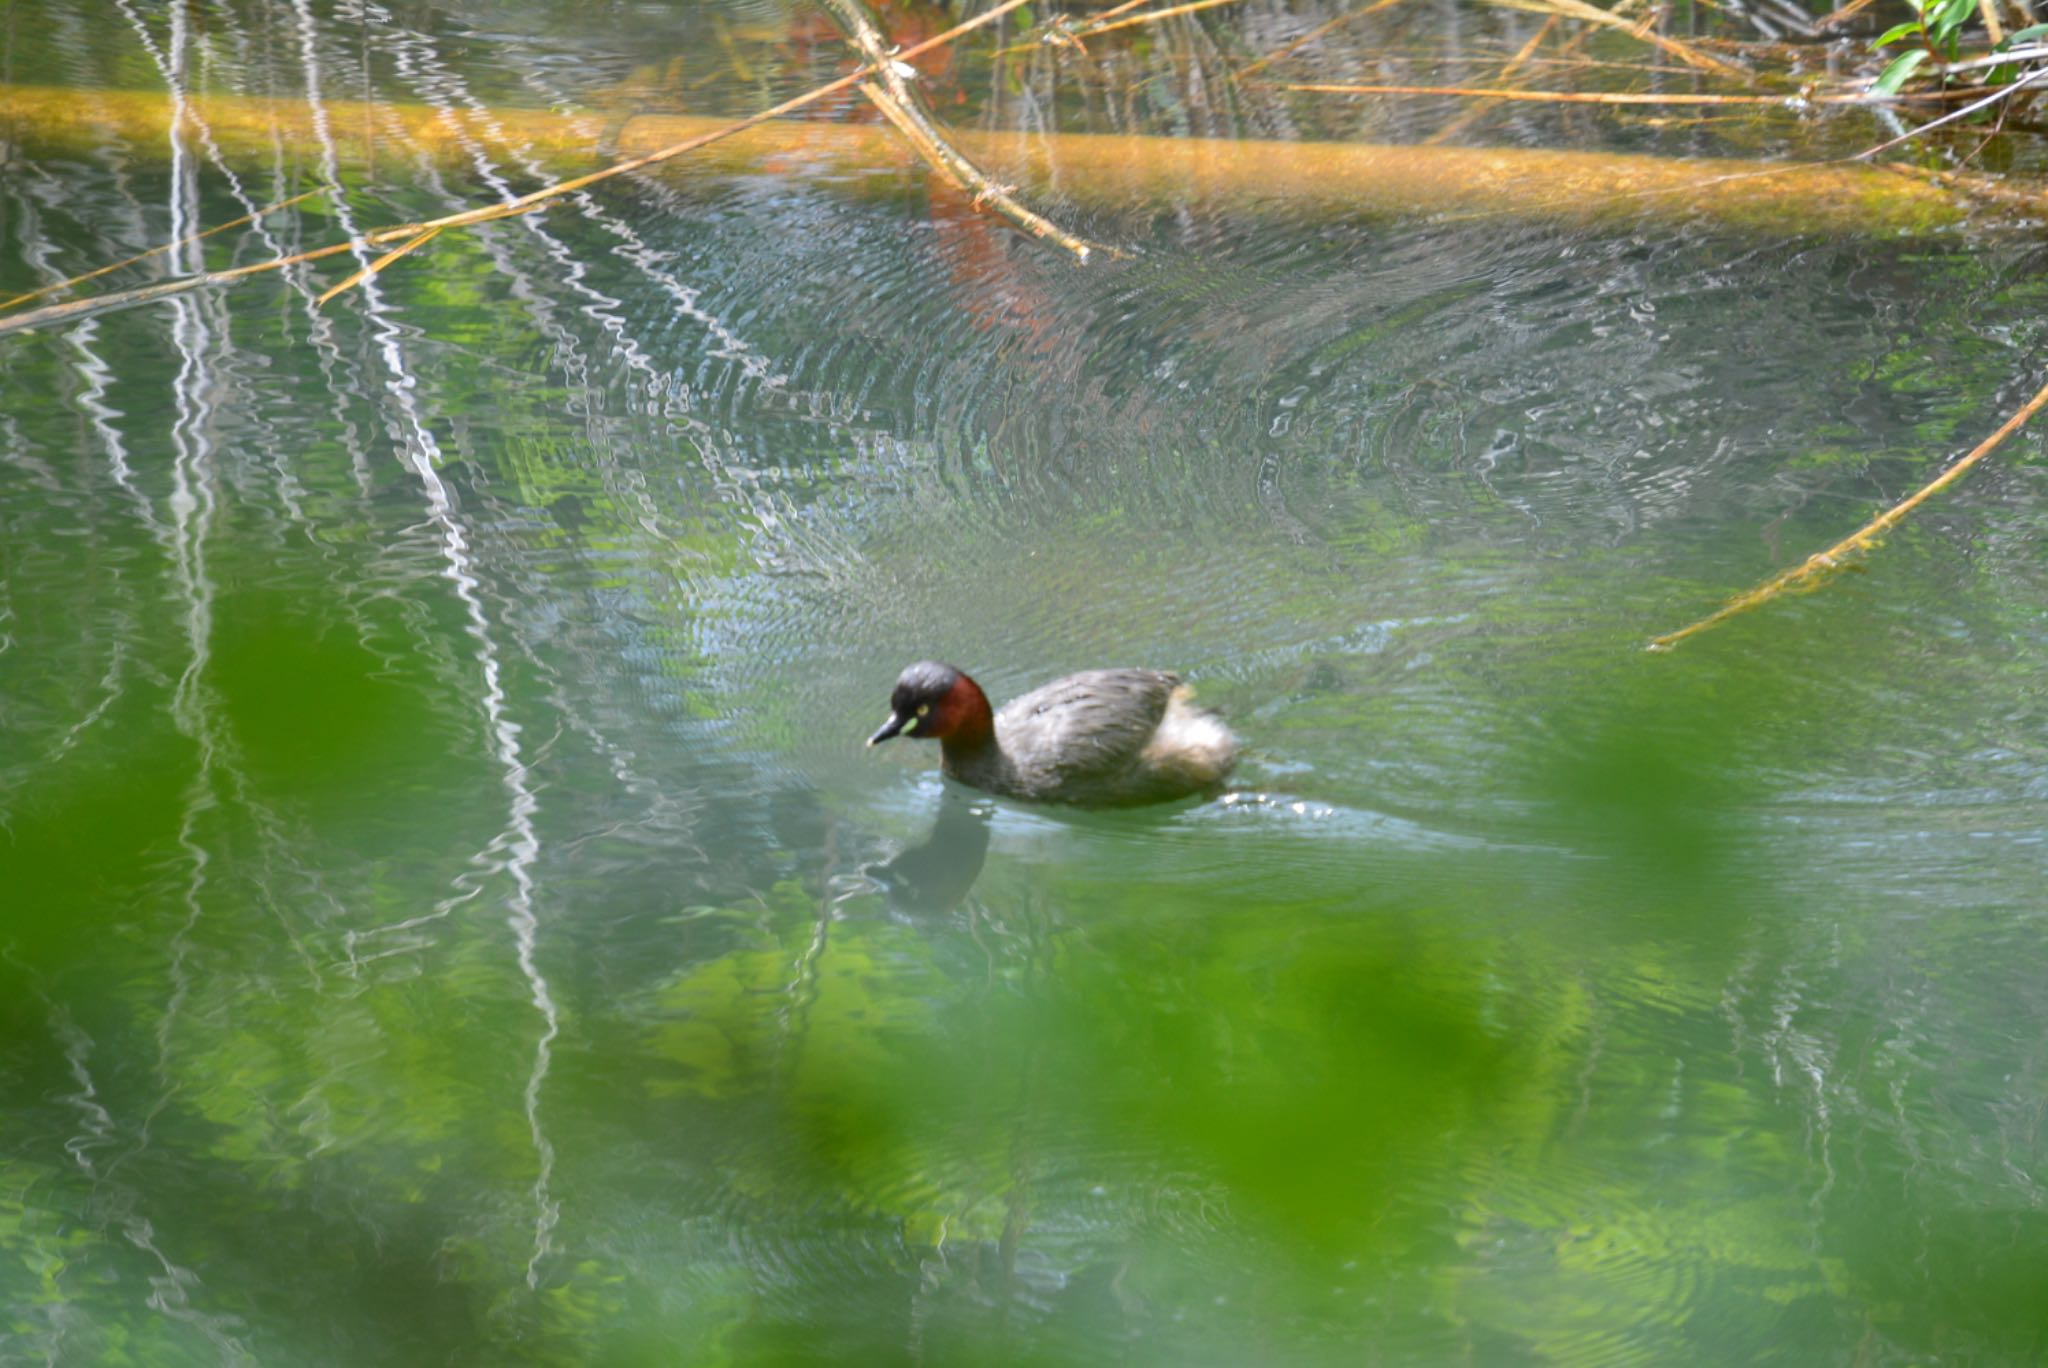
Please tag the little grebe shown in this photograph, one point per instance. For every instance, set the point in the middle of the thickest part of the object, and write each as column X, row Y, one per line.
column 1100, row 738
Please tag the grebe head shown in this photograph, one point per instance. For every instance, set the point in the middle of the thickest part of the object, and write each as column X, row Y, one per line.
column 933, row 701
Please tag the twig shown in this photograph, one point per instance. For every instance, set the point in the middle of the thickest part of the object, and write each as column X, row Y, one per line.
column 1576, row 96
column 412, row 237
column 1842, row 15
column 1506, row 65
column 76, row 308
column 1526, row 53
column 2001, row 93
column 158, row 251
column 1318, row 31
column 1061, row 33
column 1810, row 573
column 1994, row 30
column 405, row 248
column 2031, row 52
column 1593, row 14
column 1148, row 17
column 1113, row 11
column 893, row 96
column 144, row 294
column 894, row 111
column 1523, row 55
column 851, row 78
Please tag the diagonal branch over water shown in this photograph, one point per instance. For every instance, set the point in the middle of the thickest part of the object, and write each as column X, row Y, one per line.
column 160, row 250
column 891, row 93
column 546, row 194
column 1815, row 569
column 407, row 235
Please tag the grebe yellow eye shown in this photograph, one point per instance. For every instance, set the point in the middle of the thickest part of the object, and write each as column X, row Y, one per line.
column 923, row 708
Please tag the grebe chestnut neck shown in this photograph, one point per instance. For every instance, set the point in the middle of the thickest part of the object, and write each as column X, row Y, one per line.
column 1101, row 738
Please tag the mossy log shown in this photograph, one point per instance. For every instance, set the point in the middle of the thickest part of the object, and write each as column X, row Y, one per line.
column 1103, row 172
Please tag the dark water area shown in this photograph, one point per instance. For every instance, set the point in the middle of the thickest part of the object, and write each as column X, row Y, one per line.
column 451, row 916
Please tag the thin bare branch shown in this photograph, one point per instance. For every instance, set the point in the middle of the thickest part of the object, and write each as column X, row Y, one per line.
column 1812, row 572
column 159, row 251
column 1593, row 14
column 1148, row 17
column 1526, row 54
column 891, row 94
column 1508, row 64
column 405, row 248
column 1523, row 55
column 852, row 78
column 1600, row 97
column 424, row 231
column 1062, row 32
column 1988, row 12
column 2032, row 52
column 1113, row 11
column 2001, row 93
column 74, row 309
column 1289, row 49
column 413, row 236
column 1842, row 15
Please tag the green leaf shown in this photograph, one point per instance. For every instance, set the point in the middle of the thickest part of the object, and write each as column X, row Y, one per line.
column 1897, row 31
column 1948, row 15
column 2025, row 35
column 1894, row 76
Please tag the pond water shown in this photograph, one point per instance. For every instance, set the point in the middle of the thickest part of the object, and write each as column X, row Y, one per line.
column 451, row 916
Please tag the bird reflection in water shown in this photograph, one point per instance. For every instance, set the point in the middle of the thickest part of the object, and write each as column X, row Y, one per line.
column 933, row 876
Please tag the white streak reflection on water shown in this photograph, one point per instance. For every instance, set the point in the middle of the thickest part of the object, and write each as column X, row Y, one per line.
column 518, row 843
